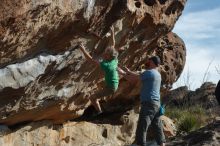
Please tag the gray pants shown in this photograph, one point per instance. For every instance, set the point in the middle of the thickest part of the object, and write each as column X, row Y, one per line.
column 149, row 115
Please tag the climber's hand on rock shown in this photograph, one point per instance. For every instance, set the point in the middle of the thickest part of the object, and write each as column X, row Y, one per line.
column 112, row 29
column 81, row 46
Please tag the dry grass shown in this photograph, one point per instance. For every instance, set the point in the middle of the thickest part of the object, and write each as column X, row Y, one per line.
column 188, row 119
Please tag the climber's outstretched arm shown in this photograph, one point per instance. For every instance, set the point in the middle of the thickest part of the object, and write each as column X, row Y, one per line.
column 132, row 76
column 111, row 42
column 87, row 55
column 121, row 71
column 112, row 39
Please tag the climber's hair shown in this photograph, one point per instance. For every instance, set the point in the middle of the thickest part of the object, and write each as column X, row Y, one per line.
column 111, row 50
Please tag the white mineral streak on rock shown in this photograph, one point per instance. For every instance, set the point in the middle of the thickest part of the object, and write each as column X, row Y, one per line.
column 88, row 5
column 66, row 92
column 20, row 74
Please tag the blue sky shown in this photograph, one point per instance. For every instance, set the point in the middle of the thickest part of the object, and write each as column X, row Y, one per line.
column 199, row 27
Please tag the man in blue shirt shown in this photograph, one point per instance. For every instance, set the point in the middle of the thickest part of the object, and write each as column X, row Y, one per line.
column 150, row 101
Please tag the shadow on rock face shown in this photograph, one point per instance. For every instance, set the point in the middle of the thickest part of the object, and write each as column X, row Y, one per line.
column 107, row 117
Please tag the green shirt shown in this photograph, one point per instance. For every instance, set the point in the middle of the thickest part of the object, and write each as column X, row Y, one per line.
column 111, row 73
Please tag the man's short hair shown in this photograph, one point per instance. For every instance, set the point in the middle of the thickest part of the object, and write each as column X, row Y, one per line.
column 156, row 60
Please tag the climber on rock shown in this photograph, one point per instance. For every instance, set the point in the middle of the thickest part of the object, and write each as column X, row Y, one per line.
column 109, row 65
column 150, row 101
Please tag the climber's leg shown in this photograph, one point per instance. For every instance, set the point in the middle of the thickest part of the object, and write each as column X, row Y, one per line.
column 100, row 95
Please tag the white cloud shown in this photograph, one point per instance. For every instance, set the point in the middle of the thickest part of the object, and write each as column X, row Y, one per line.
column 201, row 34
column 200, row 66
column 199, row 25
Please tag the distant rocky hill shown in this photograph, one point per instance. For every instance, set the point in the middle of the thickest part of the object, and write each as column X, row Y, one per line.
column 203, row 96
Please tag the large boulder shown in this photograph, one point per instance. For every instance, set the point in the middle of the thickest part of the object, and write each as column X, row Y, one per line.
column 44, row 76
column 107, row 130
